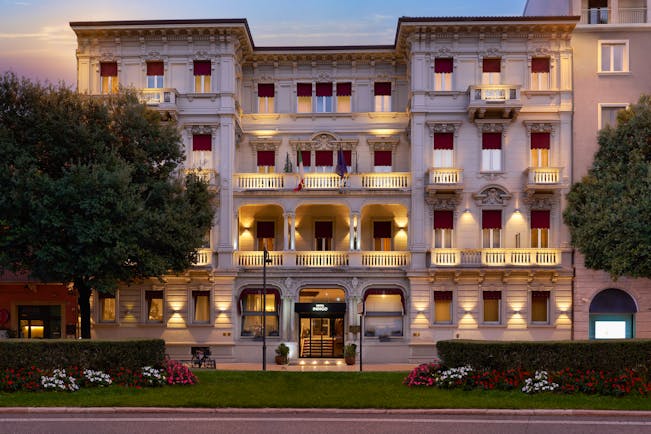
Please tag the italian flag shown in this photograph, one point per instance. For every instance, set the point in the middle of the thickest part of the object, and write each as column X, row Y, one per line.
column 301, row 172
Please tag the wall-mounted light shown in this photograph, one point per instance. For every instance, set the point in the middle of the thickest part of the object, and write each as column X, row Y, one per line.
column 420, row 312
column 516, row 312
column 467, row 312
column 517, row 210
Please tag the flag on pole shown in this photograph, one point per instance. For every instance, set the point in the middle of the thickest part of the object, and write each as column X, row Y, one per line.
column 342, row 168
column 301, row 172
column 288, row 164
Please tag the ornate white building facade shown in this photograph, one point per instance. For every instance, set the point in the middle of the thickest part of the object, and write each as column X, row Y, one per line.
column 455, row 149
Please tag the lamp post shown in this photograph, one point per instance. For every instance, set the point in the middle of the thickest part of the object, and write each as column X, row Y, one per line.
column 265, row 261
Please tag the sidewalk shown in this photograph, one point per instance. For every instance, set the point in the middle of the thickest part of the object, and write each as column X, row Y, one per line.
column 318, row 366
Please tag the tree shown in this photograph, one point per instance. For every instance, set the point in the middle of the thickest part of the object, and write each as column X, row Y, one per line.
column 609, row 211
column 90, row 192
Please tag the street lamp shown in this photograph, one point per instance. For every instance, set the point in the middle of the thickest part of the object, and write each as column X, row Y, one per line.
column 265, row 261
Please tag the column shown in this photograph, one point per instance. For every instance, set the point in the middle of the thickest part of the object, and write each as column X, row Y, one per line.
column 358, row 230
column 292, row 233
column 351, row 230
column 286, row 232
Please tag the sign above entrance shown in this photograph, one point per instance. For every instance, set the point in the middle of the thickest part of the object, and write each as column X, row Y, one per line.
column 320, row 308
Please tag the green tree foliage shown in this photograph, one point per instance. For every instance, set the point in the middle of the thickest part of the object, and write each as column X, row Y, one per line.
column 90, row 192
column 609, row 211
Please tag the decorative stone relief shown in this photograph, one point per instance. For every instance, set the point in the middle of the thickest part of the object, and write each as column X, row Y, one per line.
column 202, row 129
column 446, row 202
column 265, row 144
column 539, row 201
column 540, row 127
column 492, row 196
column 201, row 55
column 383, row 143
column 444, row 127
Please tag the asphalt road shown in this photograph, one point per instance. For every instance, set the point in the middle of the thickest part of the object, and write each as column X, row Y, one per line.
column 318, row 421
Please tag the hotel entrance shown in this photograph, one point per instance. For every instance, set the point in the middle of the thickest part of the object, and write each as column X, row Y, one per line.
column 321, row 315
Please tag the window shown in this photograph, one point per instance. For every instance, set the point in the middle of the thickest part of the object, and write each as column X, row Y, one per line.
column 443, row 149
column 323, row 98
column 491, row 71
column 491, row 152
column 540, row 307
column 597, row 12
column 608, row 114
column 266, row 161
column 382, row 92
column 443, row 227
column 491, row 224
column 382, row 161
column 323, row 161
column 344, row 92
column 540, row 222
column 304, row 98
column 540, row 149
column 383, row 310
column 492, row 307
column 348, row 159
column 540, row 73
column 266, row 95
column 107, row 305
column 443, row 307
column 265, row 234
column 323, row 236
column 155, row 74
column 154, row 300
column 202, row 151
column 108, row 72
column 201, row 307
column 251, row 309
column 443, row 74
column 382, row 236
column 613, row 56
column 305, row 158
column 202, row 73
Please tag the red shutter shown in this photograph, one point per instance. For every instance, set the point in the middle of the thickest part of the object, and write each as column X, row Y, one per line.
column 348, row 158
column 306, row 157
column 108, row 69
column 540, row 219
column 324, row 89
column 382, row 158
column 155, row 68
column 540, row 64
column 443, row 220
column 201, row 142
column 382, row 88
column 202, row 67
column 443, row 65
column 491, row 219
column 442, row 295
column 322, row 229
column 265, row 230
column 266, row 158
column 491, row 141
column 540, row 140
column 492, row 295
column 266, row 90
column 381, row 229
column 304, row 89
column 492, row 65
column 443, row 141
column 388, row 291
column 323, row 158
column 344, row 89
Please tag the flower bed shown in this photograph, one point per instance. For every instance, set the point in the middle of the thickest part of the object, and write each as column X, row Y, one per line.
column 72, row 378
column 564, row 381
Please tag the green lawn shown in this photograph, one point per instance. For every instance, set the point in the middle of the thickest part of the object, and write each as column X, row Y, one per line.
column 312, row 390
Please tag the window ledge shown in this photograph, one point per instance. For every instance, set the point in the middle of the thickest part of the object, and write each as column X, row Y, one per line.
column 442, row 325
column 493, row 326
column 541, row 326
column 611, row 73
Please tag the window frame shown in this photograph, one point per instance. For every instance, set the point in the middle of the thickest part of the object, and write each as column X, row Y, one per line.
column 451, row 308
column 100, row 307
column 625, row 56
column 500, row 308
column 148, row 306
column 601, row 106
column 193, row 306
column 259, row 313
column 383, row 314
column 548, row 304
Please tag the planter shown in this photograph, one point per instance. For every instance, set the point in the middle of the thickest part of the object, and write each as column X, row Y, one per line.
column 282, row 360
column 350, row 360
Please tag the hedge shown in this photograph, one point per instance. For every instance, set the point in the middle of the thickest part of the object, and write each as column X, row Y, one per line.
column 551, row 355
column 85, row 354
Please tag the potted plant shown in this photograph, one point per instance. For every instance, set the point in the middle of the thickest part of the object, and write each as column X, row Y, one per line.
column 282, row 352
column 350, row 351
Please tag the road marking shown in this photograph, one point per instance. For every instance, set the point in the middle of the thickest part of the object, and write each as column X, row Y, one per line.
column 323, row 419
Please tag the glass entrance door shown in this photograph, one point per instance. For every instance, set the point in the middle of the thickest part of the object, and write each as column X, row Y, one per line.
column 321, row 337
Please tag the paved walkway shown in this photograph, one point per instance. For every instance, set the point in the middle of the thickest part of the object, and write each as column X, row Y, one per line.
column 318, row 366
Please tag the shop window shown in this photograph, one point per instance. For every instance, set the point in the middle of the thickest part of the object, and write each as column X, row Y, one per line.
column 250, row 307
column 39, row 322
column 540, row 307
column 443, row 307
column 492, row 307
column 201, row 307
column 155, row 306
column 384, row 311
column 107, row 306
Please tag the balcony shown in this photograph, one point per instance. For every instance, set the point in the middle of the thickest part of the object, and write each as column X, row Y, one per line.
column 209, row 176
column 204, row 257
column 321, row 181
column 543, row 178
column 162, row 98
column 607, row 16
column 323, row 259
column 494, row 101
column 495, row 257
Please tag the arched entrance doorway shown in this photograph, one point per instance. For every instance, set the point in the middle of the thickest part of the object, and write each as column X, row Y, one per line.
column 321, row 314
column 612, row 314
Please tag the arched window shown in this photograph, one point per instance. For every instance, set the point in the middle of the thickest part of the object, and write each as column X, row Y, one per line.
column 611, row 315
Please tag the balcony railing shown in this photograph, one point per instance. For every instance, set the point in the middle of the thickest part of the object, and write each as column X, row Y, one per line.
column 605, row 16
column 494, row 99
column 260, row 181
column 204, row 257
column 295, row 258
column 322, row 181
column 445, row 176
column 632, row 15
column 544, row 175
column 494, row 257
column 209, row 176
column 494, row 93
column 158, row 96
column 381, row 181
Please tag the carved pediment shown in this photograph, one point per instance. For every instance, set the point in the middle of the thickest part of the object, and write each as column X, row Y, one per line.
column 443, row 202
column 492, row 196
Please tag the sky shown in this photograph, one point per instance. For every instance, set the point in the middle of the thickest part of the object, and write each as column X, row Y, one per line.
column 36, row 40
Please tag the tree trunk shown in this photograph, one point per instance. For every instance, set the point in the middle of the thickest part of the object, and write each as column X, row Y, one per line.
column 84, row 306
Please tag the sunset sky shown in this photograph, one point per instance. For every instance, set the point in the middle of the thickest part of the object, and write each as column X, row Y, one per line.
column 36, row 40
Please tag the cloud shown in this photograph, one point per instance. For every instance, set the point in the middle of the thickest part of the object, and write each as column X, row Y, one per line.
column 53, row 34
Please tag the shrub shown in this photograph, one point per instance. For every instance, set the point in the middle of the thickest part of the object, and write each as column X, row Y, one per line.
column 59, row 380
column 178, row 373
column 153, row 376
